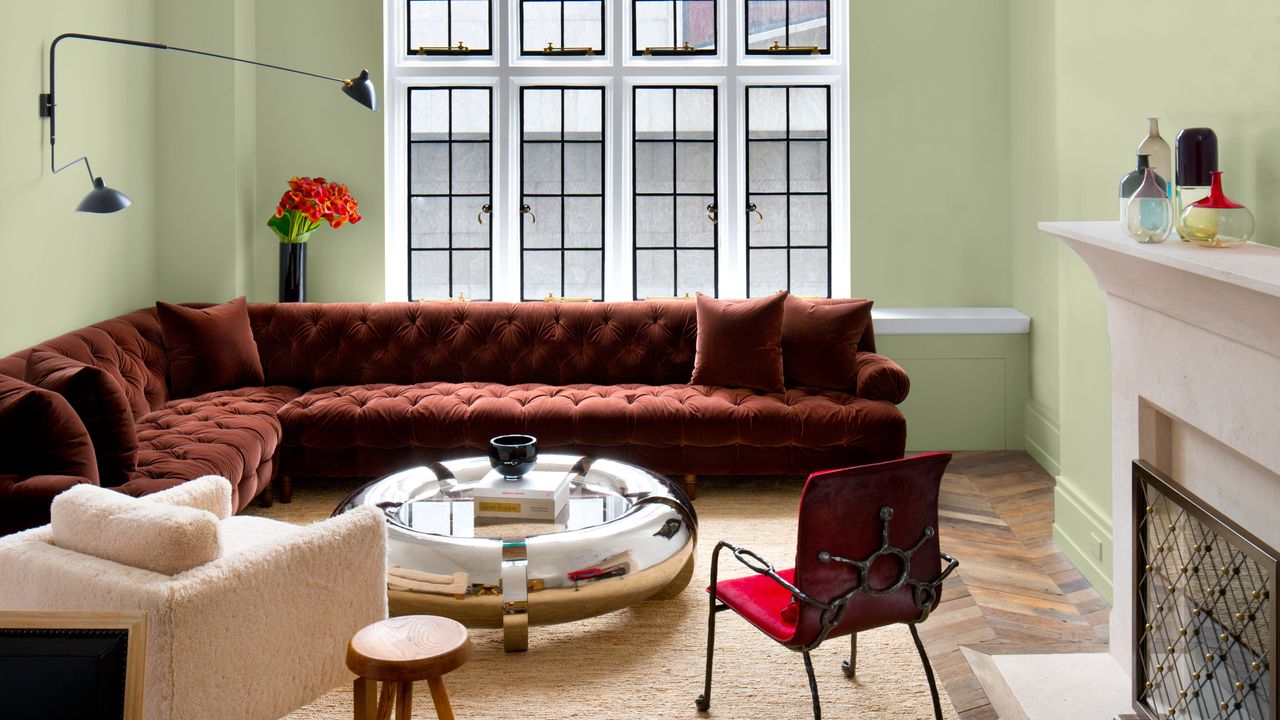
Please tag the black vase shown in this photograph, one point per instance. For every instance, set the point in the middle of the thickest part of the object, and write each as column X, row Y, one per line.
column 293, row 272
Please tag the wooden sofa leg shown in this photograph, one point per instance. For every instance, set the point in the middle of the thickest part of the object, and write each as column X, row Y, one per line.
column 267, row 497
column 691, row 486
column 286, row 489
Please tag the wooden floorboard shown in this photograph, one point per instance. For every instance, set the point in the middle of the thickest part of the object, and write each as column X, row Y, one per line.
column 1013, row 586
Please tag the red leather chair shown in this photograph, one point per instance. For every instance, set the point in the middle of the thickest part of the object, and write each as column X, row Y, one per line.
column 867, row 556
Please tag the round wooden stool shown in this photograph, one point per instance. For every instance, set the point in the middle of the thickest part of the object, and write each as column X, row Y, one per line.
column 398, row 651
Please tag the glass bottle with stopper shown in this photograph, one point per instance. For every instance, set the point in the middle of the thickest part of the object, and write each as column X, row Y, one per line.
column 1157, row 150
column 1197, row 161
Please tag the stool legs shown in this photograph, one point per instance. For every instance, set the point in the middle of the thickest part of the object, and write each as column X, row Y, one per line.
column 404, row 701
column 368, row 706
column 366, row 699
column 440, row 697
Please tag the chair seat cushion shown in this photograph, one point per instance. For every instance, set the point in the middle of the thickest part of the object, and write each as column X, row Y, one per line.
column 229, row 433
column 762, row 602
column 451, row 415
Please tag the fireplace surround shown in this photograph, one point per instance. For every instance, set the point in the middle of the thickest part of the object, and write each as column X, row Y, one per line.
column 1195, row 386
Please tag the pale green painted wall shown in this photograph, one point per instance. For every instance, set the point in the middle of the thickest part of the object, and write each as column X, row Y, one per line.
column 930, row 152
column 968, row 392
column 1033, row 197
column 1080, row 91
column 60, row 269
column 311, row 128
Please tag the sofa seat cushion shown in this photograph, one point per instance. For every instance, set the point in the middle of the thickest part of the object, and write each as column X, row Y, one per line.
column 232, row 433
column 452, row 415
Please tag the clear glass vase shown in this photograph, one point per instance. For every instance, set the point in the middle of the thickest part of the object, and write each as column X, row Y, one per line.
column 1130, row 183
column 1216, row 221
column 1149, row 214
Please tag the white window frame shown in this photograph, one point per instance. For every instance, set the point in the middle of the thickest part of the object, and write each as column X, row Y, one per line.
column 730, row 69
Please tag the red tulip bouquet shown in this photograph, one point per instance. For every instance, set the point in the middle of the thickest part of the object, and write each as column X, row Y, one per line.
column 307, row 203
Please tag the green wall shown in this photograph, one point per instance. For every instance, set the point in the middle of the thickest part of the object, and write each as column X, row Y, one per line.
column 1082, row 80
column 930, row 152
column 60, row 269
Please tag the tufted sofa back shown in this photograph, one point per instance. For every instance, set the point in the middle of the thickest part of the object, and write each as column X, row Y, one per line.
column 309, row 345
column 312, row 345
column 128, row 347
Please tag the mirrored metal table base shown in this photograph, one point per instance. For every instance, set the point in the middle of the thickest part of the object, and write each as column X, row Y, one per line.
column 626, row 535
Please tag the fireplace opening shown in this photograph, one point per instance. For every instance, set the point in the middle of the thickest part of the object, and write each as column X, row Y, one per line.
column 1205, row 593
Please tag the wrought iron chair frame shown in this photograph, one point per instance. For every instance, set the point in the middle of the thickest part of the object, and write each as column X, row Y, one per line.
column 924, row 595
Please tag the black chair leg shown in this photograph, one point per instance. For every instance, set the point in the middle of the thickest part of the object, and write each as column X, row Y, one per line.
column 704, row 700
column 850, row 666
column 928, row 671
column 813, row 687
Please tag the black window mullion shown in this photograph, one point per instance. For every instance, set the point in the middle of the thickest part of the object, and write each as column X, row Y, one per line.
column 563, row 245
column 449, row 186
column 675, row 203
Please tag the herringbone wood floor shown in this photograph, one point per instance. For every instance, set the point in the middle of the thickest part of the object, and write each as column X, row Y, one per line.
column 1013, row 586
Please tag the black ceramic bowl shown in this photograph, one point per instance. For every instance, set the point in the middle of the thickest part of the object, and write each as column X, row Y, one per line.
column 513, row 455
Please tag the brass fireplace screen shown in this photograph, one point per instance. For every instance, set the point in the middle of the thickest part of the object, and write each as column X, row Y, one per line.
column 1203, row 611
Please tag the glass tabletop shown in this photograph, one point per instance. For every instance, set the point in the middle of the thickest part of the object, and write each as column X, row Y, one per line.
column 442, row 499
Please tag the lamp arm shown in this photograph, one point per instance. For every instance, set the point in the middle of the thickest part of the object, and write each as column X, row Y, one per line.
column 82, row 158
column 47, row 99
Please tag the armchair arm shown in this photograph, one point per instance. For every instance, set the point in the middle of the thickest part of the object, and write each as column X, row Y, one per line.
column 880, row 378
column 25, row 502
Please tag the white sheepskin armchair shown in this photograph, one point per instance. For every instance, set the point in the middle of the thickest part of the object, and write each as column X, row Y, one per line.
column 253, row 634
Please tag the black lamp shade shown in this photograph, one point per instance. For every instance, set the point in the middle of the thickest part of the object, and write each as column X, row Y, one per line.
column 360, row 89
column 102, row 199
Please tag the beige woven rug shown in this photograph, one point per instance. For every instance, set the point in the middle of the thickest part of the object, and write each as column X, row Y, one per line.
column 647, row 662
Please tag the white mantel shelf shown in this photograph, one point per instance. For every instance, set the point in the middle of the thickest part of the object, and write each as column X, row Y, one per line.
column 1252, row 266
column 1231, row 292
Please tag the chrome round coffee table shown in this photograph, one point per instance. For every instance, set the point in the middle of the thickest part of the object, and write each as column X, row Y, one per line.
column 625, row 536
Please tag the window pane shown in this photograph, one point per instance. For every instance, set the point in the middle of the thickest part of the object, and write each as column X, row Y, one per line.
column 436, row 27
column 568, row 27
column 674, row 184
column 562, row 174
column 450, row 163
column 655, row 273
column 788, row 167
column 787, row 27
column 429, row 272
column 663, row 27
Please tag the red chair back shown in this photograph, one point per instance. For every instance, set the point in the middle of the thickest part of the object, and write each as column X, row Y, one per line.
column 840, row 514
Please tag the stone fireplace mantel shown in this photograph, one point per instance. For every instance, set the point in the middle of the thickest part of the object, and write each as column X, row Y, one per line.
column 1195, row 380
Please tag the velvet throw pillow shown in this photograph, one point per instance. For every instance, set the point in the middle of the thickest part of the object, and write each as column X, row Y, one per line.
column 209, row 348
column 820, row 342
column 102, row 406
column 740, row 343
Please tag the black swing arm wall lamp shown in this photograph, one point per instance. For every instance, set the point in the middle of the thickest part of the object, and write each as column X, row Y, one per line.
column 103, row 199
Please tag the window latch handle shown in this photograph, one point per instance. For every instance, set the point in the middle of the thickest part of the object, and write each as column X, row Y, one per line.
column 713, row 213
column 751, row 208
column 484, row 210
column 526, row 210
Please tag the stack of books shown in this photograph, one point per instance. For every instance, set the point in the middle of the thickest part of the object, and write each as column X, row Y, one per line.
column 540, row 495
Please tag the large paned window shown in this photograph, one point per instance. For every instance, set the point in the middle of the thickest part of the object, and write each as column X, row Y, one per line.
column 616, row 149
column 450, row 193
column 675, row 148
column 562, row 201
column 789, row 189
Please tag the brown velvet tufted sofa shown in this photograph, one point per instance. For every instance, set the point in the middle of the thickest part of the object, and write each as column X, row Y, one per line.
column 364, row 389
